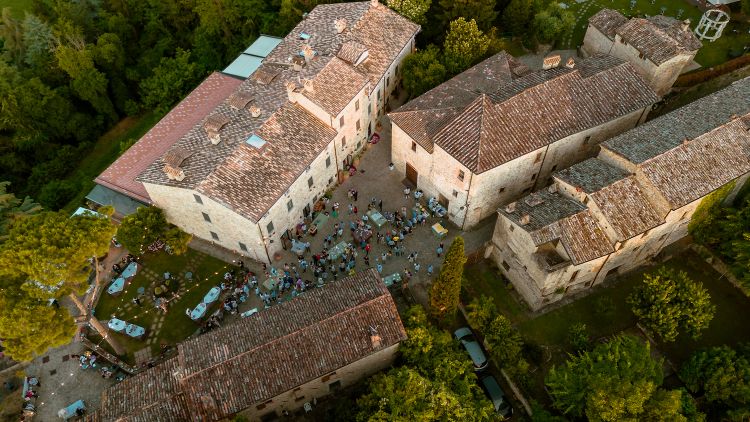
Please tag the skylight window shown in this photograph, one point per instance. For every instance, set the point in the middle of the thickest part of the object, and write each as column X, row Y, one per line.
column 255, row 141
column 304, row 36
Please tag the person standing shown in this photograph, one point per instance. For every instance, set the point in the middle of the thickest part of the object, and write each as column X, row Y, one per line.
column 380, row 205
column 355, row 194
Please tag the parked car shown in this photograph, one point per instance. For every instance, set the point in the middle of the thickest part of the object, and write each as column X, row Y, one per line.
column 472, row 346
column 496, row 395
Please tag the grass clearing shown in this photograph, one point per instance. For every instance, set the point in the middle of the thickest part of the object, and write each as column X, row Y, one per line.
column 105, row 151
column 207, row 272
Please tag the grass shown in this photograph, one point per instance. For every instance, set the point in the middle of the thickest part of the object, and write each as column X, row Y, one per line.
column 105, row 151
column 207, row 272
column 606, row 313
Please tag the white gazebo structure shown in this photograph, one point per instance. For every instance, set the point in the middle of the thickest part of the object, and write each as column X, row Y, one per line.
column 711, row 25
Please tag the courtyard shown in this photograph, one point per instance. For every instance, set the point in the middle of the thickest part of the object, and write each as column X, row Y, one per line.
column 605, row 312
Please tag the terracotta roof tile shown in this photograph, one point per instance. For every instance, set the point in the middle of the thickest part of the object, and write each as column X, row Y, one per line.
column 120, row 175
column 659, row 38
column 351, row 51
column 583, row 238
column 626, row 207
column 591, row 175
column 607, row 21
column 335, row 86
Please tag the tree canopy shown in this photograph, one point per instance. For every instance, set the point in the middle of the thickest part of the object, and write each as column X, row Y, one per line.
column 52, row 251
column 618, row 380
column 722, row 375
column 503, row 342
column 414, row 10
column 446, row 289
column 13, row 208
column 146, row 226
column 669, row 302
column 465, row 44
column 434, row 382
column 550, row 23
column 481, row 11
column 423, row 71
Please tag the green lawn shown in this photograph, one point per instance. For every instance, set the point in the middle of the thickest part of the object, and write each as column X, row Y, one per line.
column 105, row 151
column 605, row 313
column 177, row 326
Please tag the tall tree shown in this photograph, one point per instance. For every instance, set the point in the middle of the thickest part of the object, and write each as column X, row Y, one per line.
column 413, row 10
column 445, row 291
column 423, row 71
column 552, row 23
column 13, row 208
column 669, row 302
column 503, row 342
column 616, row 381
column 29, row 326
column 170, row 81
column 481, row 11
column 11, row 32
column 518, row 15
column 722, row 374
column 146, row 226
column 465, row 44
column 38, row 39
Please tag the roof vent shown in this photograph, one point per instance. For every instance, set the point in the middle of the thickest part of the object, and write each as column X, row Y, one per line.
column 239, row 100
column 308, row 85
column 377, row 341
column 214, row 137
column 685, row 25
column 552, row 188
column 174, row 173
column 298, row 63
column 551, row 62
column 525, row 219
column 215, row 122
column 255, row 111
column 340, row 25
column 374, row 3
column 255, row 141
column 533, row 199
column 308, row 53
column 571, row 63
column 510, row 208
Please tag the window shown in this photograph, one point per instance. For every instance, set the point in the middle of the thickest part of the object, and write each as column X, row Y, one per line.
column 586, row 140
column 206, row 217
column 214, row 236
column 527, row 190
column 684, row 215
column 378, row 94
column 554, row 167
column 512, row 227
column 243, row 246
column 396, row 69
column 388, row 81
column 298, row 394
column 538, row 157
column 310, row 182
column 328, row 162
column 327, row 377
column 533, row 176
column 269, row 227
column 359, row 124
column 289, row 205
column 263, row 405
column 506, row 266
column 502, row 190
column 356, row 105
column 455, row 194
column 640, row 55
column 573, row 277
column 369, row 108
column 636, row 248
column 198, row 199
column 343, row 141
column 334, row 386
column 461, row 175
column 330, row 180
column 664, row 236
column 341, row 121
column 413, row 146
column 645, row 233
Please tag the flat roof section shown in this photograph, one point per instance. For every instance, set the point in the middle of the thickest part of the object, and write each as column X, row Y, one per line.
column 263, row 46
column 249, row 60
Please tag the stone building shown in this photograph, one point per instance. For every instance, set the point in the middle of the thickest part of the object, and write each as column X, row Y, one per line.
column 660, row 47
column 610, row 214
column 498, row 130
column 251, row 166
column 278, row 360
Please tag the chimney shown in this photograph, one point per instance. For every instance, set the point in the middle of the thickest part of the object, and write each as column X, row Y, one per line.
column 376, row 341
column 374, row 3
column 340, row 25
column 525, row 219
column 552, row 188
column 510, row 208
column 298, row 63
column 685, row 26
column 570, row 63
column 255, row 111
column 290, row 87
column 308, row 85
column 173, row 173
column 214, row 137
column 307, row 53
column 551, row 62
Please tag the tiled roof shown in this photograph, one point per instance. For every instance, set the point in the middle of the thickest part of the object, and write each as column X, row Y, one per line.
column 553, row 217
column 251, row 360
column 150, row 396
column 121, row 175
column 607, row 21
column 699, row 166
column 659, row 38
column 350, row 51
column 251, row 180
column 669, row 131
column 510, row 116
column 591, row 175
column 215, row 169
column 626, row 208
column 335, row 86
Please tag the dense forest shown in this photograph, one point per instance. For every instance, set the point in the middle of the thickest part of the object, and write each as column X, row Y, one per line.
column 70, row 70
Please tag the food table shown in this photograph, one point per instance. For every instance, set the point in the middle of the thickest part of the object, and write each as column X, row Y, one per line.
column 250, row 312
column 439, row 230
column 362, row 235
column 270, row 284
column 130, row 270
column 198, row 311
column 116, row 324
column 337, row 251
column 212, row 295
column 72, row 410
column 117, row 286
column 298, row 247
column 391, row 279
column 134, row 331
column 377, row 218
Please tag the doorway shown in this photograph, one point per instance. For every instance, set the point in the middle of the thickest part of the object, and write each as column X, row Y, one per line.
column 411, row 174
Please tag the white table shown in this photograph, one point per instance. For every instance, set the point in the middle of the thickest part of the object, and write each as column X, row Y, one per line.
column 134, row 331
column 116, row 324
column 130, row 270
column 198, row 311
column 117, row 286
column 212, row 295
